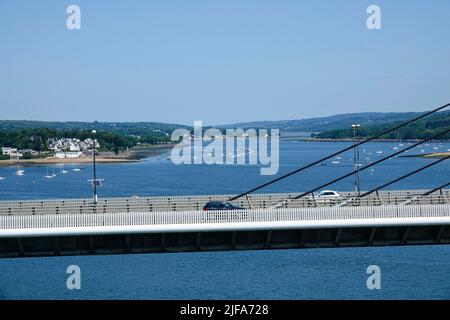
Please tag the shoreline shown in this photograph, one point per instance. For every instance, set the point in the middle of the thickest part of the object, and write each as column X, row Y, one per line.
column 428, row 155
column 308, row 139
column 437, row 155
column 135, row 155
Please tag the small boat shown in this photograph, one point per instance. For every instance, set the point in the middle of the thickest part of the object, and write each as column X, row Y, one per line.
column 335, row 162
column 2, row 178
column 50, row 176
column 76, row 169
column 20, row 172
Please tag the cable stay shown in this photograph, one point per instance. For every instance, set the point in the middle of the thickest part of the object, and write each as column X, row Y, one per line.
column 339, row 152
column 404, row 176
column 394, row 181
column 285, row 202
column 409, row 201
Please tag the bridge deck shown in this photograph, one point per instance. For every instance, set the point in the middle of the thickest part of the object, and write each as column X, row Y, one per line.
column 193, row 221
column 183, row 203
column 136, row 225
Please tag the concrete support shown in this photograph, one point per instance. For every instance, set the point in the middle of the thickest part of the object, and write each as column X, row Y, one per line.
column 233, row 240
column 268, row 239
column 372, row 235
column 338, row 235
column 301, row 239
column 405, row 235
column 56, row 245
column 91, row 245
column 20, row 249
column 198, row 241
column 439, row 235
column 163, row 242
column 127, row 243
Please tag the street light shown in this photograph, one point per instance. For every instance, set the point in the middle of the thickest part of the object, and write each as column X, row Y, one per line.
column 355, row 128
column 94, row 181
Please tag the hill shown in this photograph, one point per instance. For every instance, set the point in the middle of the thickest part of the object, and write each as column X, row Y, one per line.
column 422, row 129
column 335, row 122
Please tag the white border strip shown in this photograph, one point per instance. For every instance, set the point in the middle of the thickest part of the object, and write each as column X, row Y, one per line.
column 230, row 226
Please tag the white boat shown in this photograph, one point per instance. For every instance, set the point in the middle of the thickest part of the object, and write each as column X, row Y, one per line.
column 50, row 176
column 335, row 162
column 76, row 169
column 2, row 178
column 20, row 172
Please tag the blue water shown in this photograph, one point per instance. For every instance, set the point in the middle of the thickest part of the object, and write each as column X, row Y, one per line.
column 406, row 273
column 159, row 176
column 416, row 272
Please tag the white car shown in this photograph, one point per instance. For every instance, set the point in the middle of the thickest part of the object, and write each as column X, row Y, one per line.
column 327, row 195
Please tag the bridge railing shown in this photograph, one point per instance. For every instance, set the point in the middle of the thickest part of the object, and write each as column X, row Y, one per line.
column 8, row 222
column 183, row 203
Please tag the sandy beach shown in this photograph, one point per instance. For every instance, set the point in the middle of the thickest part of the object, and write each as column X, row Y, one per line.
column 437, row 155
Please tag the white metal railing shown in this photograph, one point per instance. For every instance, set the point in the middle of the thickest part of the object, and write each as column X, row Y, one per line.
column 195, row 217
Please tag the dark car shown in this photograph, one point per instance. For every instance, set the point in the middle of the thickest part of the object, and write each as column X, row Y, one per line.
column 220, row 205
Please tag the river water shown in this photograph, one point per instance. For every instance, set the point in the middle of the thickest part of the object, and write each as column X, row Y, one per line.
column 406, row 272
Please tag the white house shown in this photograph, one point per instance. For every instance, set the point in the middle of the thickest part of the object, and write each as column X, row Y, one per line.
column 74, row 147
column 7, row 151
column 68, row 155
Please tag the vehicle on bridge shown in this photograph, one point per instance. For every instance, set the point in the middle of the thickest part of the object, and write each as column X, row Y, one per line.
column 220, row 205
column 326, row 196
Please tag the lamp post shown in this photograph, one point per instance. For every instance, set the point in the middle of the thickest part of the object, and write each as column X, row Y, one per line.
column 355, row 128
column 94, row 181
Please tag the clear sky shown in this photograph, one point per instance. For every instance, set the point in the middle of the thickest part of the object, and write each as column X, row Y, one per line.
column 220, row 61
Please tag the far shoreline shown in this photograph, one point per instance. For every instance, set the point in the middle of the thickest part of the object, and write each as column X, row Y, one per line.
column 308, row 139
column 135, row 155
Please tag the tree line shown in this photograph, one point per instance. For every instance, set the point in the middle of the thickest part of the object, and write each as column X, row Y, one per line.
column 37, row 138
column 421, row 129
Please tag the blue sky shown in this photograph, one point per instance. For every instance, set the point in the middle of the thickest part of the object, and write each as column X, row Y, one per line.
column 220, row 61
